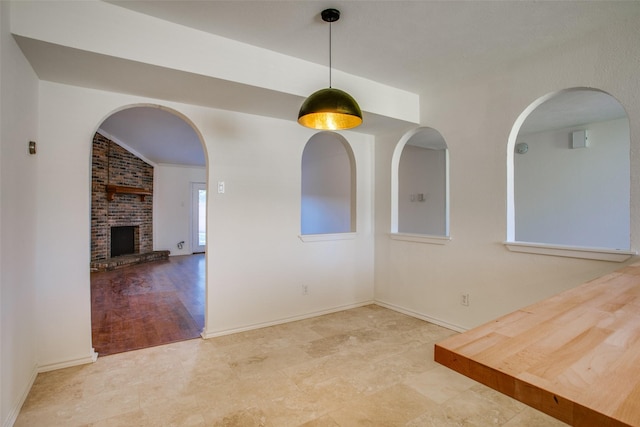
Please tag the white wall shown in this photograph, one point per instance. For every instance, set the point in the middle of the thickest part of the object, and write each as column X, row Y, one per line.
column 255, row 261
column 476, row 118
column 326, row 186
column 576, row 197
column 422, row 171
column 172, row 206
column 18, row 229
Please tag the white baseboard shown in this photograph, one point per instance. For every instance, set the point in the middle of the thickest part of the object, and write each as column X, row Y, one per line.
column 408, row 312
column 15, row 410
column 207, row 335
column 92, row 357
column 421, row 316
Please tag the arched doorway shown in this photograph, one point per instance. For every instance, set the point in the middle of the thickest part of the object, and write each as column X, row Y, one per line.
column 147, row 285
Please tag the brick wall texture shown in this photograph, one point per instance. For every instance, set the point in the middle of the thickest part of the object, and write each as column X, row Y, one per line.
column 112, row 164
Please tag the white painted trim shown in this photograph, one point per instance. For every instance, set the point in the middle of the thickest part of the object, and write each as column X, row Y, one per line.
column 420, row 238
column 126, row 147
column 207, row 335
column 15, row 410
column 614, row 255
column 421, row 316
column 91, row 358
column 327, row 237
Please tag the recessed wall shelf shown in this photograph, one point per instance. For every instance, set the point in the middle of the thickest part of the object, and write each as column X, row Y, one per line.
column 120, row 189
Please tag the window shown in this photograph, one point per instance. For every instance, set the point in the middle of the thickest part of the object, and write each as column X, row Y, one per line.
column 198, row 217
column 328, row 186
column 420, row 205
column 569, row 176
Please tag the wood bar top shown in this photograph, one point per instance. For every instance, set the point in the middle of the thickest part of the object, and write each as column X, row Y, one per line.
column 575, row 356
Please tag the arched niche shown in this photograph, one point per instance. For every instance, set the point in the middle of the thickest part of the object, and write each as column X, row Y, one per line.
column 568, row 177
column 420, row 187
column 328, row 187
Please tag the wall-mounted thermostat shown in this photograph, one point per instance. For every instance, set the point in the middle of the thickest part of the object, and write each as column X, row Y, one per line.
column 579, row 139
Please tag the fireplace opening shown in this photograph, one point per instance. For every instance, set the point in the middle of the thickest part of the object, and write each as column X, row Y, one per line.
column 123, row 240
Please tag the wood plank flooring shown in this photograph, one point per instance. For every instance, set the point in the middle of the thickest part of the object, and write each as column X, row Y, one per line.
column 575, row 356
column 148, row 304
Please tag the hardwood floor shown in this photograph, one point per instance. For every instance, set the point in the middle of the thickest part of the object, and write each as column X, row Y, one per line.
column 148, row 304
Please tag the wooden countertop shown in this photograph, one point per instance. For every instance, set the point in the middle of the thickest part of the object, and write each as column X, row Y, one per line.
column 575, row 356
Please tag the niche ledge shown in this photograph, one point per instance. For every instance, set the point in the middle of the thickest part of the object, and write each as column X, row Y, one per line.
column 421, row 238
column 600, row 254
column 326, row 237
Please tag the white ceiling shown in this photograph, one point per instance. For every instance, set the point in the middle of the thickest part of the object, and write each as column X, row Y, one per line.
column 573, row 108
column 155, row 134
column 411, row 45
column 404, row 44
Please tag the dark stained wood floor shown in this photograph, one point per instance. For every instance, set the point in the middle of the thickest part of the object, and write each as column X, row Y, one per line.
column 148, row 304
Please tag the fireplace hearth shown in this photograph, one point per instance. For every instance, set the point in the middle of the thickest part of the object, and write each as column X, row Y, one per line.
column 128, row 260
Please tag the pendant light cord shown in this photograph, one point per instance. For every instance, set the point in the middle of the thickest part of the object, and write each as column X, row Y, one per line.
column 330, row 55
column 329, row 15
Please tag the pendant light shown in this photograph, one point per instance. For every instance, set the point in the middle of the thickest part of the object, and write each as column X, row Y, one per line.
column 330, row 108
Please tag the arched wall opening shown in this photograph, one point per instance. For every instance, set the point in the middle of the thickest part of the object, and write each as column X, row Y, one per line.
column 328, row 199
column 568, row 177
column 146, row 161
column 420, row 187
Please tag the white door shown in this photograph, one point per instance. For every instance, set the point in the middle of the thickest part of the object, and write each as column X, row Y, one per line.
column 198, row 216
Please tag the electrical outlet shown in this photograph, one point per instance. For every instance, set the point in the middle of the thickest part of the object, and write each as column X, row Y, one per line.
column 464, row 299
column 305, row 290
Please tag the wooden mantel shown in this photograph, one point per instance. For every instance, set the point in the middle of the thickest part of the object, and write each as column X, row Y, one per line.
column 120, row 189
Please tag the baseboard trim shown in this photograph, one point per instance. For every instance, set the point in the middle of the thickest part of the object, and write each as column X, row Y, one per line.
column 93, row 356
column 421, row 316
column 15, row 411
column 207, row 335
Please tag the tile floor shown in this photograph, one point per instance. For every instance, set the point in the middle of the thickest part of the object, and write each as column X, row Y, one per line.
column 368, row 366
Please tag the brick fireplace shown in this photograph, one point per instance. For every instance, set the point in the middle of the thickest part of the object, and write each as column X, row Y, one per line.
column 121, row 197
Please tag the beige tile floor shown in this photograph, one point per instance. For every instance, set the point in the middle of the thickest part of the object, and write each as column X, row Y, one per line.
column 368, row 366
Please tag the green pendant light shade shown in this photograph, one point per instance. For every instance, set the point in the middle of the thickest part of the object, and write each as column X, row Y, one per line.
column 330, row 109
